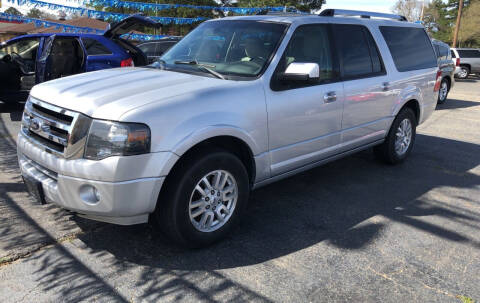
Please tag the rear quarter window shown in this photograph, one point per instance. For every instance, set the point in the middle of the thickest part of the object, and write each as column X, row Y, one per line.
column 410, row 47
column 94, row 47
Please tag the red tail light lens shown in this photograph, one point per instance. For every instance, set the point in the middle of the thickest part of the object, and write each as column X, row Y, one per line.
column 458, row 62
column 438, row 81
column 126, row 63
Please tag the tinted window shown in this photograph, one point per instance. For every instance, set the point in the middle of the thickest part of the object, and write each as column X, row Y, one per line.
column 155, row 48
column 94, row 47
column 358, row 52
column 308, row 44
column 468, row 53
column 452, row 53
column 410, row 47
column 444, row 51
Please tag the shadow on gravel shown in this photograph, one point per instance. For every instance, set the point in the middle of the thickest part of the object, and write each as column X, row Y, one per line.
column 326, row 204
column 455, row 103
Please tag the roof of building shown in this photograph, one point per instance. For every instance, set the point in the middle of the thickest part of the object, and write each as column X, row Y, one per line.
column 29, row 28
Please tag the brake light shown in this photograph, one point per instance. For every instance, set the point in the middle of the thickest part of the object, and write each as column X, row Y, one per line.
column 126, row 63
column 457, row 63
column 438, row 81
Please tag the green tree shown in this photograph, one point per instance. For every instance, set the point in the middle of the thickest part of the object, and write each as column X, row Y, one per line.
column 181, row 12
column 38, row 14
column 13, row 11
column 469, row 33
column 303, row 5
column 444, row 15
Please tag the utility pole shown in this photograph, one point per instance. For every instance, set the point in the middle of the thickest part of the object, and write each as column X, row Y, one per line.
column 457, row 26
column 423, row 11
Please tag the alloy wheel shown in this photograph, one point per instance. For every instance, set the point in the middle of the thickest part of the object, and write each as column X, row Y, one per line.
column 213, row 201
column 403, row 137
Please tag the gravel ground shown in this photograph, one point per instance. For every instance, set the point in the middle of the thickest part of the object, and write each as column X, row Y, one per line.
column 352, row 230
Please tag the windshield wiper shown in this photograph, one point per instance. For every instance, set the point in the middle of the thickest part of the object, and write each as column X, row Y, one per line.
column 206, row 67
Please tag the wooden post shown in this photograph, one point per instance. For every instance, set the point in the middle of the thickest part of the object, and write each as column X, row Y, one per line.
column 457, row 26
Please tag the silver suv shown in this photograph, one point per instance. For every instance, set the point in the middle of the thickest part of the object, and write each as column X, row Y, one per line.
column 469, row 61
column 238, row 103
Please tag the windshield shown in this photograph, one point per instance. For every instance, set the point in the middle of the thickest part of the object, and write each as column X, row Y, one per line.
column 236, row 48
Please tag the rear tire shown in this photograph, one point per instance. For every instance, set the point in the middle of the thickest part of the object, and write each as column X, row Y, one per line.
column 193, row 216
column 464, row 72
column 400, row 139
column 443, row 92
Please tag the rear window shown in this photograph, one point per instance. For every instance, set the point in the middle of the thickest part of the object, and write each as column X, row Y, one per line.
column 410, row 47
column 94, row 47
column 468, row 53
column 358, row 51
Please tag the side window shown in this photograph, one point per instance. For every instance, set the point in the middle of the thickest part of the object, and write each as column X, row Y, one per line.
column 453, row 54
column 25, row 48
column 358, row 52
column 445, row 52
column 308, row 44
column 410, row 47
column 94, row 47
column 468, row 53
column 438, row 51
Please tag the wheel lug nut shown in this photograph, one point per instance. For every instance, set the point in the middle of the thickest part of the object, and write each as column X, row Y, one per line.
column 212, row 192
column 213, row 208
column 207, row 207
column 207, row 199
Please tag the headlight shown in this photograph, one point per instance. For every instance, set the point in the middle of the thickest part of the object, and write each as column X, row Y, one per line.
column 107, row 139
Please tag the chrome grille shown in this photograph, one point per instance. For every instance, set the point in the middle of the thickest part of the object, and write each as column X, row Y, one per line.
column 56, row 130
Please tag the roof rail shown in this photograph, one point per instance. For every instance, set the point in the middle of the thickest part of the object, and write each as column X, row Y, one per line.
column 361, row 14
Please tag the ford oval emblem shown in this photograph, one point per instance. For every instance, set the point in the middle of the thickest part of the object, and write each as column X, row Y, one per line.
column 35, row 124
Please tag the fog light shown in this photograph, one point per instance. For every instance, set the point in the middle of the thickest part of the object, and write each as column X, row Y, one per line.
column 89, row 194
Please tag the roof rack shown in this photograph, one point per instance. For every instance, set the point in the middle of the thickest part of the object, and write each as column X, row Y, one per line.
column 361, row 14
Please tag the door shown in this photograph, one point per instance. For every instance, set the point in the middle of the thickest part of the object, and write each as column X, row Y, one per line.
column 42, row 69
column 304, row 119
column 98, row 55
column 17, row 68
column 368, row 94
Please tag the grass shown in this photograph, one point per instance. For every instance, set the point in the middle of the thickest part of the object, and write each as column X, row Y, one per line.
column 466, row 299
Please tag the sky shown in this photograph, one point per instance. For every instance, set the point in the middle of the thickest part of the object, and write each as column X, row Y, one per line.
column 383, row 6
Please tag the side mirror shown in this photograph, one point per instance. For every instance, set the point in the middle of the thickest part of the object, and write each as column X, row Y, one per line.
column 304, row 72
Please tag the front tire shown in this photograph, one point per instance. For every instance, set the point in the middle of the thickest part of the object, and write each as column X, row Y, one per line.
column 204, row 198
column 443, row 92
column 400, row 139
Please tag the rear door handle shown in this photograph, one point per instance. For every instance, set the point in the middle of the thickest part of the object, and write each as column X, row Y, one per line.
column 330, row 97
column 385, row 86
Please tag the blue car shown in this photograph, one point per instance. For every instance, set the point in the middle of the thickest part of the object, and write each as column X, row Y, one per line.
column 31, row 59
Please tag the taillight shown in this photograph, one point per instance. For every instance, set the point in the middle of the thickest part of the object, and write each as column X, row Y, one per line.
column 126, row 63
column 438, row 81
column 458, row 62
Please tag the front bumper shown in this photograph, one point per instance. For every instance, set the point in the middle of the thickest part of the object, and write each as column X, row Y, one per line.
column 124, row 196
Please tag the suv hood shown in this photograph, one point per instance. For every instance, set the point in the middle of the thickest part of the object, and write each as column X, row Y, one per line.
column 108, row 94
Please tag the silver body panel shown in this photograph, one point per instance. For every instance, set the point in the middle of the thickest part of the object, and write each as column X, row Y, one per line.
column 286, row 131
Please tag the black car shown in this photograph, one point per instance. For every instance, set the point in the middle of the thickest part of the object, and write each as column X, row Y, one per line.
column 156, row 48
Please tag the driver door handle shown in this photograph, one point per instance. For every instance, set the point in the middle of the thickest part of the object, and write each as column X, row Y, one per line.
column 330, row 97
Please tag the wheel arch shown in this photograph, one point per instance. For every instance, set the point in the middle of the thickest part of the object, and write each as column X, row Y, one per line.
column 414, row 105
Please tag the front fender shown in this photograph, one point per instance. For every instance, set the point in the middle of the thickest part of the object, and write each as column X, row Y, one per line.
column 209, row 132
